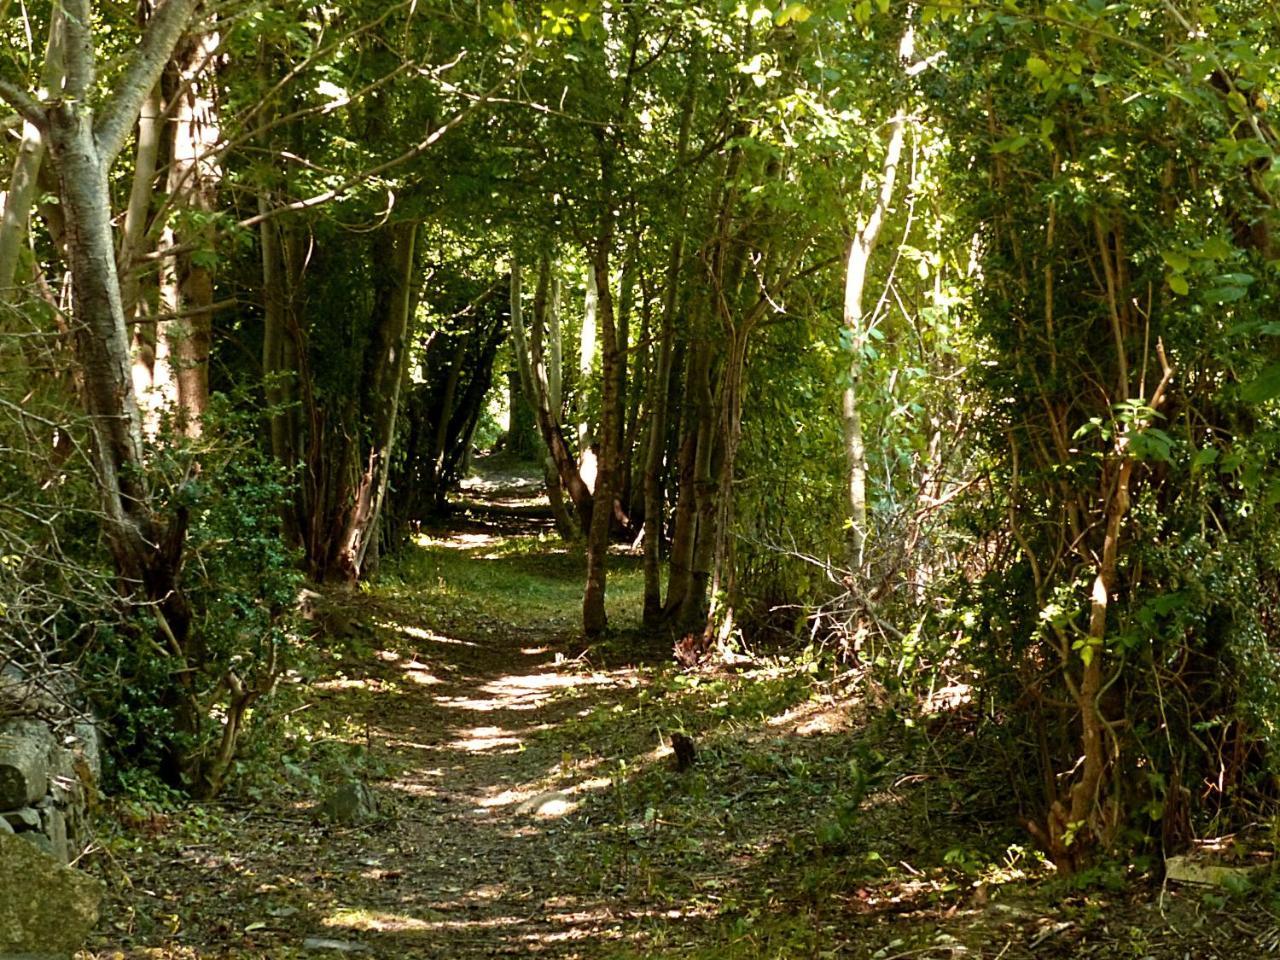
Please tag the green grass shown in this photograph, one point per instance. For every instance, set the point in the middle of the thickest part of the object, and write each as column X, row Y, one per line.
column 517, row 581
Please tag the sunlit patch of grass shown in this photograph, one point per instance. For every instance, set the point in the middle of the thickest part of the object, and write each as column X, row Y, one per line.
column 516, row 582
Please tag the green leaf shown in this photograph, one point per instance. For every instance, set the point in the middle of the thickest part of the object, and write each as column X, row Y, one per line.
column 1264, row 387
column 797, row 12
column 1010, row 144
column 1178, row 262
column 1178, row 284
column 1215, row 248
column 1204, row 457
column 1224, row 294
column 1037, row 67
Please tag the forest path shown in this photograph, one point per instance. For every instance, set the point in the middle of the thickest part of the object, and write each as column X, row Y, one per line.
column 529, row 807
column 451, row 700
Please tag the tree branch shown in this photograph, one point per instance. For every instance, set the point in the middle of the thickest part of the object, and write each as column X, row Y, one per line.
column 411, row 154
column 22, row 101
column 118, row 115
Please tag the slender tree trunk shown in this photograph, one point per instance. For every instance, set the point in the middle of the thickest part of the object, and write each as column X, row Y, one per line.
column 594, row 618
column 861, row 250
column 448, row 401
column 546, row 384
column 696, row 415
column 587, row 466
column 194, row 177
column 530, row 363
column 394, row 253
column 555, row 348
column 691, row 613
column 626, row 306
column 660, row 379
column 133, row 243
column 20, row 196
column 278, row 374
column 659, row 382
column 724, row 571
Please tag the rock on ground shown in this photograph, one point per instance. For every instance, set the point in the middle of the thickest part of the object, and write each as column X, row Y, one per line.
column 46, row 909
column 351, row 803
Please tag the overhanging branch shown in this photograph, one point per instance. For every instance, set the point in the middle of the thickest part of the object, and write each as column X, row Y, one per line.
column 22, row 101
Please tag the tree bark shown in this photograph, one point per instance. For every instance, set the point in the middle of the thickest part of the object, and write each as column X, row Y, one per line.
column 21, row 194
column 861, row 250
column 194, row 177
column 587, row 348
column 146, row 550
column 696, row 415
column 594, row 618
column 394, row 253
column 530, row 362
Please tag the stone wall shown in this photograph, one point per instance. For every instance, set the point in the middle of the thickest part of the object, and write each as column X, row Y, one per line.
column 48, row 775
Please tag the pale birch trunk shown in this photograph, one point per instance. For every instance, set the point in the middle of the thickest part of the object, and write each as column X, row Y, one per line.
column 184, row 335
column 82, row 150
column 586, row 371
column 133, row 246
column 861, row 250
column 560, row 469
column 594, row 618
column 20, row 196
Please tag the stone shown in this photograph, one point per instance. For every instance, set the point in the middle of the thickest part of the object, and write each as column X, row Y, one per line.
column 1198, row 872
column 25, row 746
column 333, row 946
column 24, row 818
column 46, row 909
column 53, row 824
column 4, row 826
column 349, row 804
column 88, row 744
column 41, row 843
column 553, row 803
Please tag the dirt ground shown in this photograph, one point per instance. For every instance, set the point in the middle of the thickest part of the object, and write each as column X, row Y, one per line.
column 529, row 805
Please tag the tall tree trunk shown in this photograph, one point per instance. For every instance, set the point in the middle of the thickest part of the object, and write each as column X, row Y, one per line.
column 626, row 305
column 394, row 255
column 537, row 384
column 133, row 246
column 555, row 347
column 724, row 570
column 654, row 494
column 146, row 548
column 861, row 250
column 448, row 402
column 195, row 174
column 546, row 381
column 587, row 348
column 594, row 618
column 659, row 395
column 696, row 414
column 691, row 612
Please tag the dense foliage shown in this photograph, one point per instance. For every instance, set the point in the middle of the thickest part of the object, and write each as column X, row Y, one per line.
column 935, row 335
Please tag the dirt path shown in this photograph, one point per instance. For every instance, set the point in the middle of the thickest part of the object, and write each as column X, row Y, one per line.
column 450, row 715
column 530, row 807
